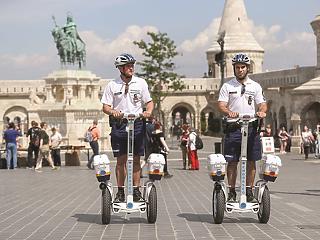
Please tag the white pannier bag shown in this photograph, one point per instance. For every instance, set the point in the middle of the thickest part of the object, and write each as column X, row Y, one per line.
column 216, row 166
column 156, row 163
column 269, row 167
column 101, row 165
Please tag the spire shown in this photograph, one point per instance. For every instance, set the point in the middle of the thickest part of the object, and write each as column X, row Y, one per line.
column 236, row 25
column 315, row 24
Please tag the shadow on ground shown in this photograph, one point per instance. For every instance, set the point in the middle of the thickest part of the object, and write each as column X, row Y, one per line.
column 307, row 193
column 192, row 217
column 115, row 219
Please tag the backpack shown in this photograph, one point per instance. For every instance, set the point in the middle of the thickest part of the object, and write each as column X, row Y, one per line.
column 35, row 137
column 88, row 137
column 198, row 143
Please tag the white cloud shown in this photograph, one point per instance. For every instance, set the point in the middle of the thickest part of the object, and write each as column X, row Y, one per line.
column 104, row 50
column 203, row 39
column 23, row 60
column 282, row 49
column 287, row 49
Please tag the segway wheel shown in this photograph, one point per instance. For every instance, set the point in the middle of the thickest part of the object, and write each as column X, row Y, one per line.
column 264, row 209
column 106, row 202
column 152, row 205
column 218, row 206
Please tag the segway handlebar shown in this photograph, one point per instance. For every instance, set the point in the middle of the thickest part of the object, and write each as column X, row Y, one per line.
column 131, row 115
column 242, row 117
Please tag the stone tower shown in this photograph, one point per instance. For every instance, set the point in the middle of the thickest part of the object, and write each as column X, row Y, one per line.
column 238, row 38
column 316, row 29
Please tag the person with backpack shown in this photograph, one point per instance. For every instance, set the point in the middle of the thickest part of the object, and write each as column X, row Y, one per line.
column 92, row 136
column 192, row 150
column 34, row 142
column 44, row 148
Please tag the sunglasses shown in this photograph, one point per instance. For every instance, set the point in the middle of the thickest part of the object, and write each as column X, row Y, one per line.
column 243, row 89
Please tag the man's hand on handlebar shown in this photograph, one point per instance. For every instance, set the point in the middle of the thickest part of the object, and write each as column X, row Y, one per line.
column 116, row 113
column 233, row 114
column 146, row 114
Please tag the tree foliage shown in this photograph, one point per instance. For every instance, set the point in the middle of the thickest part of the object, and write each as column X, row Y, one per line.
column 158, row 67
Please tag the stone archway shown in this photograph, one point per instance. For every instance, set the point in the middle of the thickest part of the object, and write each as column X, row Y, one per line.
column 180, row 114
column 18, row 115
column 282, row 117
column 310, row 115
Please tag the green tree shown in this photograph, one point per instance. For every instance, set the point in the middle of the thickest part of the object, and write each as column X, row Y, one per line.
column 158, row 67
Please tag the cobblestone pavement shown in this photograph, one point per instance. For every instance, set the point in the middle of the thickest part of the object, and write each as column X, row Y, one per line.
column 65, row 204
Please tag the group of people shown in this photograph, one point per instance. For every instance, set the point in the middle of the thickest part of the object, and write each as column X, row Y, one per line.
column 41, row 145
column 189, row 151
column 308, row 144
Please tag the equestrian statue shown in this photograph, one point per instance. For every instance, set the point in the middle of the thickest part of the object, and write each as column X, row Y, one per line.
column 71, row 48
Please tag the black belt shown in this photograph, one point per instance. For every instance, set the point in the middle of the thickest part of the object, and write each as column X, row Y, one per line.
column 234, row 126
column 119, row 121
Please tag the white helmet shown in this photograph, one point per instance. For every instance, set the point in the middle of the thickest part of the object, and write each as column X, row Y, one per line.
column 241, row 58
column 124, row 59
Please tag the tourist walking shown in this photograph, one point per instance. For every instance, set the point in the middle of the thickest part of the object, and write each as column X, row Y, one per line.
column 44, row 150
column 94, row 144
column 192, row 150
column 284, row 138
column 184, row 146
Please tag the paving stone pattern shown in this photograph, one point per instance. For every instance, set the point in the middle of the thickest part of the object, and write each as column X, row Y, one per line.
column 65, row 204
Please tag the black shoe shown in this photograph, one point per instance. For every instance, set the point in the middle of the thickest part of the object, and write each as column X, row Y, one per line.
column 232, row 196
column 167, row 175
column 137, row 197
column 120, row 196
column 89, row 165
column 250, row 197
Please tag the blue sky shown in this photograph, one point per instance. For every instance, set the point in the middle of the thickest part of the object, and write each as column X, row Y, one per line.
column 27, row 50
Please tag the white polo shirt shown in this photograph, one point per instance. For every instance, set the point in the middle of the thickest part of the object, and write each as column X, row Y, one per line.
column 132, row 102
column 242, row 103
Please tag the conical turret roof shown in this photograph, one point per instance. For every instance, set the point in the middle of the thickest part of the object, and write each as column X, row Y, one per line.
column 235, row 23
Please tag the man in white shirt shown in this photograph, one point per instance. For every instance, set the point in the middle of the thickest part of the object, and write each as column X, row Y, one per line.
column 238, row 96
column 55, row 139
column 127, row 94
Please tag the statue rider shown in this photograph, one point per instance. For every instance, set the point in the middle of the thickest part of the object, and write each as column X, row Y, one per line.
column 71, row 31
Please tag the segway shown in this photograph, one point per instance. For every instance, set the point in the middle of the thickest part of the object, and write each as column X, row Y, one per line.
column 269, row 169
column 102, row 166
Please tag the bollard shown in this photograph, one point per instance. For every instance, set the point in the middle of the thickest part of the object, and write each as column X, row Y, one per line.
column 217, row 147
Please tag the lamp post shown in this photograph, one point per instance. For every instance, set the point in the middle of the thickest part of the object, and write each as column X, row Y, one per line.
column 220, row 56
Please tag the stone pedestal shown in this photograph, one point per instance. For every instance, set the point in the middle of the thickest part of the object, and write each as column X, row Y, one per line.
column 296, row 138
column 296, row 144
